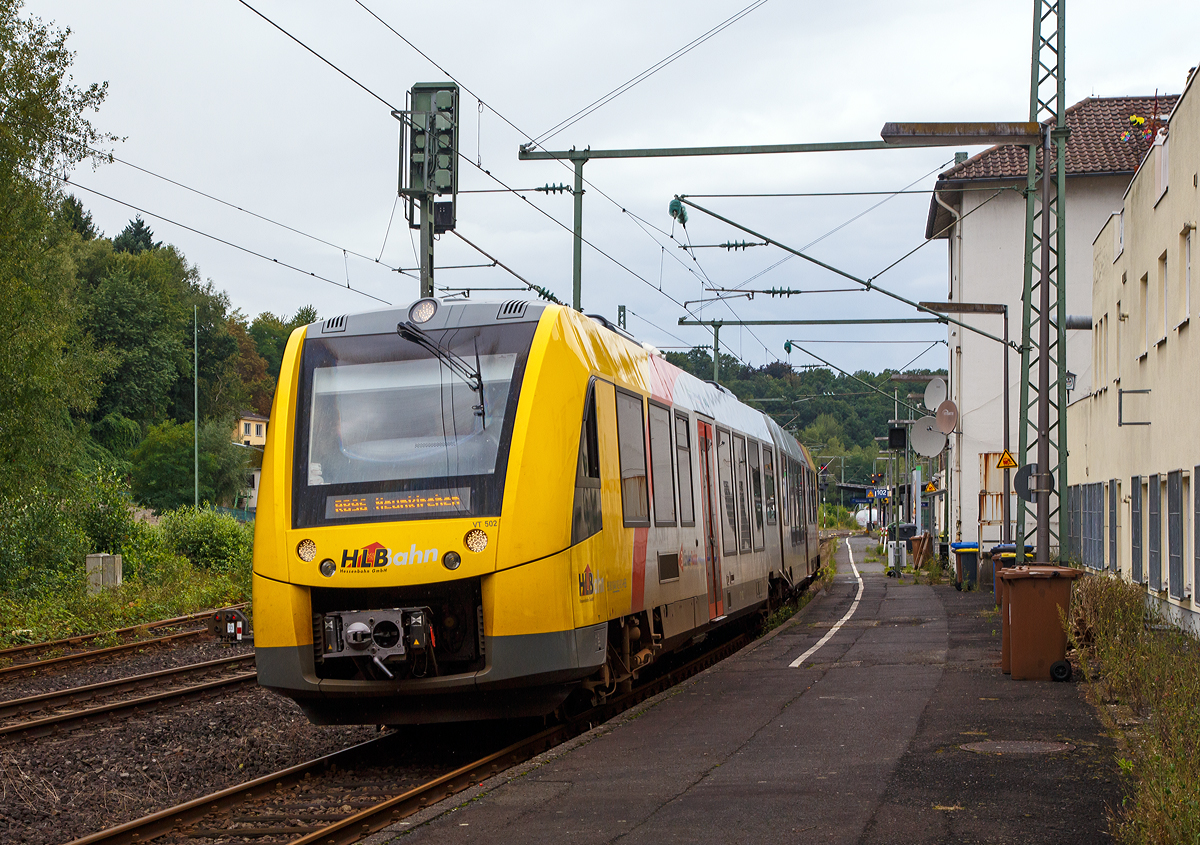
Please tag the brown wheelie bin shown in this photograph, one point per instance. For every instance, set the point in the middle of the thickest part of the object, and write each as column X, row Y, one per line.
column 1037, row 643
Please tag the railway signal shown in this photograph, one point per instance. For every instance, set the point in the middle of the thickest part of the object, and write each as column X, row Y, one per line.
column 429, row 165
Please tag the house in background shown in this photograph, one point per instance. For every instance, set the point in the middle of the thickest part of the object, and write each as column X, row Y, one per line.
column 251, row 431
column 1134, row 435
column 978, row 207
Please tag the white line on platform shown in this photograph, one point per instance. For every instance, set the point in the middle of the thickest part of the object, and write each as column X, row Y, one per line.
column 795, row 664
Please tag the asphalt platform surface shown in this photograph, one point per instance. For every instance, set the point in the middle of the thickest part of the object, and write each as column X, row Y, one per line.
column 862, row 743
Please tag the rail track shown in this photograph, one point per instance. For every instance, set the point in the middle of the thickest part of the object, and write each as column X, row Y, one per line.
column 30, row 658
column 71, row 708
column 343, row 797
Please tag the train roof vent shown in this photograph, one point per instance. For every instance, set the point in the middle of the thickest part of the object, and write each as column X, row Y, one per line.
column 334, row 324
column 512, row 309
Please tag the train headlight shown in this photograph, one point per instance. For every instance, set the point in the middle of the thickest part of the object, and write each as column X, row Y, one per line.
column 307, row 551
column 422, row 310
column 328, row 567
column 451, row 560
column 475, row 541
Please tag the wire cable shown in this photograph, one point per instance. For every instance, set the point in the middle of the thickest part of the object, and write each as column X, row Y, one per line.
column 216, row 238
column 645, row 74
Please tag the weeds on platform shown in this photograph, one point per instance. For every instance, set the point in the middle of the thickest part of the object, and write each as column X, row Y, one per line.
column 823, row 580
column 1132, row 660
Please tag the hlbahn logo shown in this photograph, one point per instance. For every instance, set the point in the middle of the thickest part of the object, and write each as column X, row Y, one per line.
column 588, row 583
column 377, row 555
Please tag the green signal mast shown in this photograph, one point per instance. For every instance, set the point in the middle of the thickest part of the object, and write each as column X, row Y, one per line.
column 429, row 165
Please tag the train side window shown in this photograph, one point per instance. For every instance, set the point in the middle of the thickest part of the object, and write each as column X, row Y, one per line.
column 756, row 495
column 662, row 474
column 683, row 453
column 769, row 484
column 727, row 496
column 743, row 493
column 784, row 488
column 586, row 513
column 631, row 443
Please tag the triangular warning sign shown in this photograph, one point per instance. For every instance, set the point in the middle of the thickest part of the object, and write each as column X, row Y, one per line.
column 1006, row 461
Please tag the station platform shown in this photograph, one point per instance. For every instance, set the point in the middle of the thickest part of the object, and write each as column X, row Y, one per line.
column 860, row 742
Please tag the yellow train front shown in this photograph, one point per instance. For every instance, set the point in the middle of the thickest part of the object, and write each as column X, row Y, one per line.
column 470, row 510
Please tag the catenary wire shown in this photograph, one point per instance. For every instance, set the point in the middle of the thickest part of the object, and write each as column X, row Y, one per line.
column 216, row 238
column 646, row 74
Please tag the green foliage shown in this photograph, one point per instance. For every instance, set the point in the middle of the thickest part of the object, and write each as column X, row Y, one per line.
column 271, row 335
column 164, row 465
column 1132, row 659
column 135, row 237
column 210, row 540
column 76, row 217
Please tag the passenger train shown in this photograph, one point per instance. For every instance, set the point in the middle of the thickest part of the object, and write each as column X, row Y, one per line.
column 472, row 510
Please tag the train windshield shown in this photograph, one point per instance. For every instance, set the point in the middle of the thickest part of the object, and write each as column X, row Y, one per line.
column 385, row 430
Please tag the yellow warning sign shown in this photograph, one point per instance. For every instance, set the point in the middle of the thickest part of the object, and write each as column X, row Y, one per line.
column 1006, row 461
column 931, row 487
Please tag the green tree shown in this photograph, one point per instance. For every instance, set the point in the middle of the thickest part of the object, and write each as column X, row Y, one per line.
column 163, row 465
column 49, row 373
column 271, row 335
column 135, row 237
column 76, row 217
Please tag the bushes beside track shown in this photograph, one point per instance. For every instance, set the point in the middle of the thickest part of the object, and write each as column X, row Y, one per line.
column 1145, row 678
column 194, row 559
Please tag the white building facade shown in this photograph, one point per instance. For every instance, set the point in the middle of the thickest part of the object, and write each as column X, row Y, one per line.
column 1134, row 462
column 978, row 207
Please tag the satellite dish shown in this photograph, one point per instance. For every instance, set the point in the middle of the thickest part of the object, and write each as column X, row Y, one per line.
column 947, row 416
column 925, row 437
column 935, row 394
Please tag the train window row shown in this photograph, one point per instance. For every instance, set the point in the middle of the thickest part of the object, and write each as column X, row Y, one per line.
column 747, row 496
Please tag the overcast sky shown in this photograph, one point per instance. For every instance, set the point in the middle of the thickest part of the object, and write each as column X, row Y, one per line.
column 212, row 96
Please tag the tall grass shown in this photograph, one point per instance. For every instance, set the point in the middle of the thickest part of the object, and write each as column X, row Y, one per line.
column 1134, row 661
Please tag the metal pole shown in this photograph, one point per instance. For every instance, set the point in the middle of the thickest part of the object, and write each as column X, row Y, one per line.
column 426, row 245
column 196, row 400
column 577, row 258
column 1007, row 534
column 716, row 327
column 1044, row 473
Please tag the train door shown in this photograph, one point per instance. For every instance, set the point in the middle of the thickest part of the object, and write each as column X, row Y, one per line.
column 712, row 556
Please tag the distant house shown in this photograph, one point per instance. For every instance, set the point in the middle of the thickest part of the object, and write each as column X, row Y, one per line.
column 1134, row 433
column 251, row 431
column 978, row 207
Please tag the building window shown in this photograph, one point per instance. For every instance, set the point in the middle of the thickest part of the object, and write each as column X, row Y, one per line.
column 1144, row 302
column 1175, row 533
column 1114, row 497
column 1162, row 293
column 246, row 429
column 631, row 443
column 1135, row 529
column 258, row 431
column 662, row 474
column 1154, row 533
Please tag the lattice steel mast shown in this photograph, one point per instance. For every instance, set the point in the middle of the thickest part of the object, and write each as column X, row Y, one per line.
column 1043, row 358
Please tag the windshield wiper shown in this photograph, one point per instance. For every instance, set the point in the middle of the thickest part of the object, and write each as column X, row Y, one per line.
column 454, row 362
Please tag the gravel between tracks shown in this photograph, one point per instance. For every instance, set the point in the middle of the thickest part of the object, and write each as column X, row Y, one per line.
column 58, row 788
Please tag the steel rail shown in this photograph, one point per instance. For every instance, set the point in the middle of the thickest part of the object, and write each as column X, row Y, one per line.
column 132, row 630
column 103, row 712
column 352, row 828
column 93, row 654
column 75, row 695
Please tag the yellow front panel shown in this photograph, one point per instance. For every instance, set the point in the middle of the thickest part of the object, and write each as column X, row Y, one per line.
column 529, row 599
column 274, row 512
column 412, row 552
column 282, row 614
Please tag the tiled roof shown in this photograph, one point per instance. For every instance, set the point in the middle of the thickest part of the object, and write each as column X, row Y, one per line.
column 1093, row 147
